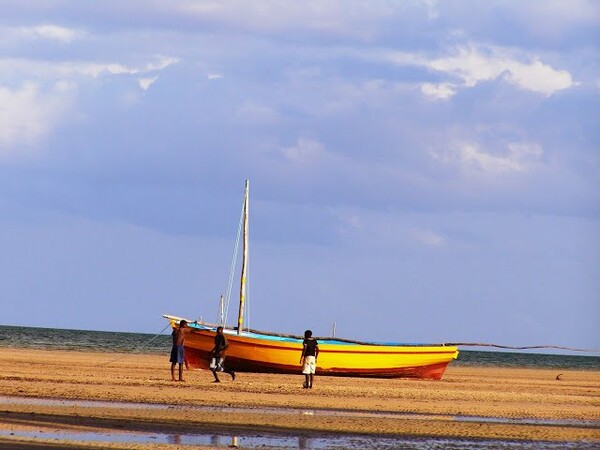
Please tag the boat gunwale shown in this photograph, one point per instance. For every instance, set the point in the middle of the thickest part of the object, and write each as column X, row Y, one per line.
column 326, row 344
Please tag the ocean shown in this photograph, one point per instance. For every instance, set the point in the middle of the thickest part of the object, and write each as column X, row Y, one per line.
column 160, row 343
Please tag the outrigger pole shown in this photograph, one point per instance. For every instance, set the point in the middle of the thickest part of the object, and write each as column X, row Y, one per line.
column 244, row 262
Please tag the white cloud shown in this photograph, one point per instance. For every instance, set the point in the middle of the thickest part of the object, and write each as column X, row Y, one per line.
column 23, row 68
column 441, row 91
column 538, row 77
column 518, row 157
column 160, row 62
column 145, row 83
column 214, row 76
column 28, row 113
column 29, row 110
column 473, row 65
column 471, row 156
column 52, row 32
column 96, row 69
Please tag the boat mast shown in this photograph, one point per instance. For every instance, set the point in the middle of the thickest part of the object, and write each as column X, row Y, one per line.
column 222, row 311
column 244, row 262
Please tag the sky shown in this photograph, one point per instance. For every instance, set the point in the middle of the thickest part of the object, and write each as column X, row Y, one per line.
column 420, row 171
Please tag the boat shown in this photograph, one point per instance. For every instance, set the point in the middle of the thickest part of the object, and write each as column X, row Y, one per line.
column 258, row 351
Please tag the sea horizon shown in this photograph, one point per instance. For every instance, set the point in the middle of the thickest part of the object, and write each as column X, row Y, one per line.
column 137, row 342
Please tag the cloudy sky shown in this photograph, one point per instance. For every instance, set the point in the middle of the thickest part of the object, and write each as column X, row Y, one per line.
column 420, row 171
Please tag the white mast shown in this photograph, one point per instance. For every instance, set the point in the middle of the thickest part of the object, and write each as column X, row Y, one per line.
column 244, row 262
column 222, row 311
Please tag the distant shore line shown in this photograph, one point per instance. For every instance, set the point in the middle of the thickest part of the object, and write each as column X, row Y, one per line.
column 482, row 358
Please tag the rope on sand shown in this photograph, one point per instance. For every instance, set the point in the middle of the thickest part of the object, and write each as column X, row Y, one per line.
column 138, row 348
column 530, row 347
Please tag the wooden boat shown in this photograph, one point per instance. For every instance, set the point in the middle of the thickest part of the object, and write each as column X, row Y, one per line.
column 256, row 351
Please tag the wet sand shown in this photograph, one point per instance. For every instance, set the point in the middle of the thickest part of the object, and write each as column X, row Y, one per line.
column 483, row 392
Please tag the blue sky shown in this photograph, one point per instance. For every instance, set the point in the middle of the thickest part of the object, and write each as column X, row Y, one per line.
column 420, row 171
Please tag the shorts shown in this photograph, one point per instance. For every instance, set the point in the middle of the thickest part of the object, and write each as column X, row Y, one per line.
column 310, row 365
column 217, row 364
column 177, row 354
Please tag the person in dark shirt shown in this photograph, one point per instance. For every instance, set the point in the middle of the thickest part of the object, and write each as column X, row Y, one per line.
column 177, row 350
column 308, row 360
column 218, row 356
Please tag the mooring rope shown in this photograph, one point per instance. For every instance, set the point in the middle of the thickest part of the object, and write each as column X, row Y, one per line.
column 529, row 347
column 138, row 348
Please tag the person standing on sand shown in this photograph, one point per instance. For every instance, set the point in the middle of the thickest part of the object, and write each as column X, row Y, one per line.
column 308, row 360
column 218, row 356
column 177, row 351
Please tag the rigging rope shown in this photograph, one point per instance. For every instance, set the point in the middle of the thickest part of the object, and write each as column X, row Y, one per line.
column 530, row 347
column 139, row 347
column 232, row 267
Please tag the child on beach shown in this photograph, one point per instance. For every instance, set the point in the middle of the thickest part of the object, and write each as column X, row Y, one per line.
column 308, row 360
column 218, row 356
column 177, row 351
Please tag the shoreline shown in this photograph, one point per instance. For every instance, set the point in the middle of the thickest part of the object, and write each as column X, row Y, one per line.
column 419, row 408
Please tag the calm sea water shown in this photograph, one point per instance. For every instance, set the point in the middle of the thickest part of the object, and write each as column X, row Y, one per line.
column 108, row 341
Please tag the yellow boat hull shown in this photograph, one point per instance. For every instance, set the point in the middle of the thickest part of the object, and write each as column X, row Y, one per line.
column 254, row 352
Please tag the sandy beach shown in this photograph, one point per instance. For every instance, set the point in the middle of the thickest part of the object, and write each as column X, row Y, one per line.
column 278, row 402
